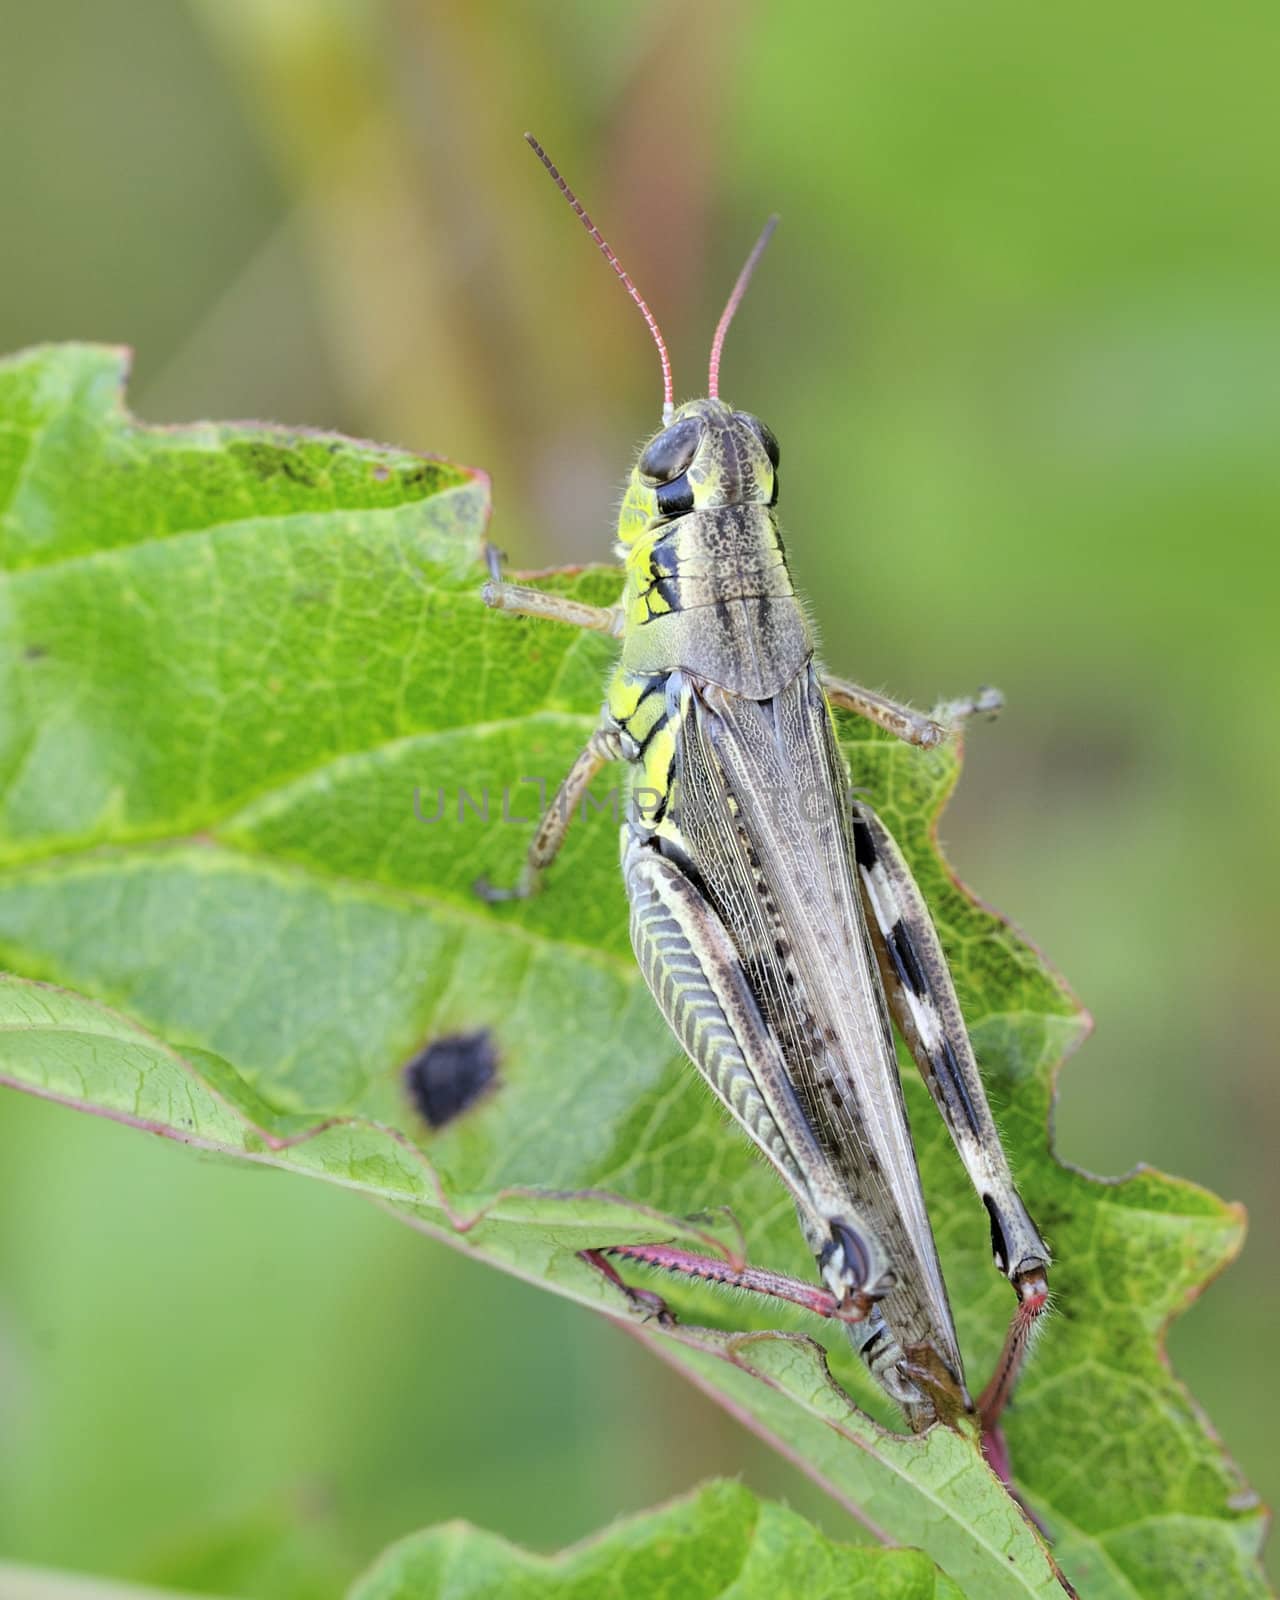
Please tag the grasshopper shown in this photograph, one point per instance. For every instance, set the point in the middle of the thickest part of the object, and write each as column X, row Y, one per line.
column 773, row 916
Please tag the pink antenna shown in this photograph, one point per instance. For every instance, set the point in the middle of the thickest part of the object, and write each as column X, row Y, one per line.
column 735, row 300
column 668, row 393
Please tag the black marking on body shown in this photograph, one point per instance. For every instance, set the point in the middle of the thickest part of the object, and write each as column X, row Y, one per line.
column 664, row 577
column 952, row 1067
column 999, row 1249
column 874, row 1342
column 680, row 858
column 652, row 686
column 658, row 725
column 905, row 961
column 676, row 497
column 450, row 1075
column 864, row 846
column 664, row 559
column 854, row 1251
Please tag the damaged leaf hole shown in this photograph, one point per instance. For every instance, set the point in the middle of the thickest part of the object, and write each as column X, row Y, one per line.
column 450, row 1074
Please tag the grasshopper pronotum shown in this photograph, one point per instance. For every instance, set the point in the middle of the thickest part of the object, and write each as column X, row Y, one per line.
column 772, row 914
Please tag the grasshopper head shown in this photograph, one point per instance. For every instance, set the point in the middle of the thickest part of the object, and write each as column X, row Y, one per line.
column 707, row 455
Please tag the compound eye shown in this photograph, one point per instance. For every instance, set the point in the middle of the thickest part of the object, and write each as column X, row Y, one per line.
column 672, row 451
column 766, row 438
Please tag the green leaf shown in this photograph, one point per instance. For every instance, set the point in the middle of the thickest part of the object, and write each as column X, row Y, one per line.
column 231, row 656
column 719, row 1544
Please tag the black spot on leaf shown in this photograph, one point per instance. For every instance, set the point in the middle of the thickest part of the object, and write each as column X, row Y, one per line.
column 428, row 476
column 450, row 1074
column 267, row 461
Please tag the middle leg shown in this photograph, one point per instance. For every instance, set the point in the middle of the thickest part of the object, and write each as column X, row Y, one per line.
column 545, row 844
column 913, row 727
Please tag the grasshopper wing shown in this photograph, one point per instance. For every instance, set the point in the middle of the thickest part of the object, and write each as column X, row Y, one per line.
column 759, row 819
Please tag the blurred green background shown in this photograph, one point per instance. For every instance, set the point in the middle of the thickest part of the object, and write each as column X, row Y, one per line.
column 1019, row 336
